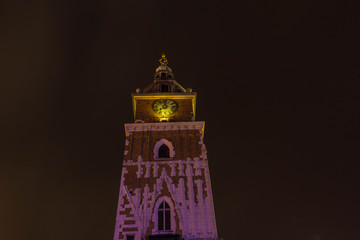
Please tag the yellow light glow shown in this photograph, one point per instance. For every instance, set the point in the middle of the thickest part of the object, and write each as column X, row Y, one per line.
column 163, row 60
column 157, row 96
column 164, row 107
column 162, row 119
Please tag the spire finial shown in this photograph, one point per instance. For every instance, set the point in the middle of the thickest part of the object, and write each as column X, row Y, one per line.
column 163, row 60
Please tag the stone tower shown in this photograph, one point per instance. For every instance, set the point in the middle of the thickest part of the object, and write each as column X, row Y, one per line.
column 165, row 191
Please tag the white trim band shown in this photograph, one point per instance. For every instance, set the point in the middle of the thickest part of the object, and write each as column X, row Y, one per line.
column 164, row 126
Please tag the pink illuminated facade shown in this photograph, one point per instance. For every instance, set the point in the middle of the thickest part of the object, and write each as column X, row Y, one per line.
column 165, row 190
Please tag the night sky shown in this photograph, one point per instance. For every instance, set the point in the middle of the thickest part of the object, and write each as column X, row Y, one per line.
column 278, row 87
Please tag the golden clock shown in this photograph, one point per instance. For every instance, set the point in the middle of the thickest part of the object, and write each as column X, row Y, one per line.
column 164, row 107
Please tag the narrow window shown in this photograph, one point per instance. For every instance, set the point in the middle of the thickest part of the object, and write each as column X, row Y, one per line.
column 164, row 151
column 167, row 217
column 164, row 222
column 164, row 88
column 130, row 237
column 161, row 217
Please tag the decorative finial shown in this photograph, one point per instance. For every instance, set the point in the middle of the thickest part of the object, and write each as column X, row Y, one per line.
column 163, row 60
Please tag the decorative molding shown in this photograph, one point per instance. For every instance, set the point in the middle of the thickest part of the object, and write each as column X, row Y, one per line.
column 172, row 215
column 164, row 126
column 159, row 144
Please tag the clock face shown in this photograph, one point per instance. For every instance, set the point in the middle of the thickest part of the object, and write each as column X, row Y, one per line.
column 164, row 107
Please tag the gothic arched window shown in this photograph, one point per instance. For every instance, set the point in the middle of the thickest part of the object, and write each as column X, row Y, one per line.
column 164, row 212
column 164, row 151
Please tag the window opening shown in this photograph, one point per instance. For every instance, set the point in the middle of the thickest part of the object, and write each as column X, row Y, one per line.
column 130, row 237
column 164, row 216
column 164, row 88
column 163, row 76
column 164, row 151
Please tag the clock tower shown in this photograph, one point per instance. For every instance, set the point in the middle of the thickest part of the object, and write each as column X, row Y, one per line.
column 165, row 190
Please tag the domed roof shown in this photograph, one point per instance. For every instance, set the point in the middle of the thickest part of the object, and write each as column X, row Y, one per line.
column 163, row 72
column 164, row 80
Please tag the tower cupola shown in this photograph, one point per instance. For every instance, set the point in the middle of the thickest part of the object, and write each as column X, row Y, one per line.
column 163, row 72
column 164, row 81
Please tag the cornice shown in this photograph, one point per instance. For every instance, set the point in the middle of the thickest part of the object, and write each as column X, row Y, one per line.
column 163, row 95
column 164, row 126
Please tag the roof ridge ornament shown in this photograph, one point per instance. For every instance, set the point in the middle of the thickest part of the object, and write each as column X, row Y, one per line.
column 163, row 61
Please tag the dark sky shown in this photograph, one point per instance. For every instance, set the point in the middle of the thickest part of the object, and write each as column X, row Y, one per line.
column 278, row 87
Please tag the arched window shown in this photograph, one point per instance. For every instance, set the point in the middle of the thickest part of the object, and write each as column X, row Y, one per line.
column 164, row 151
column 164, row 88
column 164, row 211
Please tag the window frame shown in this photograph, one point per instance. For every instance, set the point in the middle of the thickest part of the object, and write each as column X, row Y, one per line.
column 164, row 216
column 157, row 146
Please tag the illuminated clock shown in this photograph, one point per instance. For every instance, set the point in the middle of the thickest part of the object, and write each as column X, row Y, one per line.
column 164, row 107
